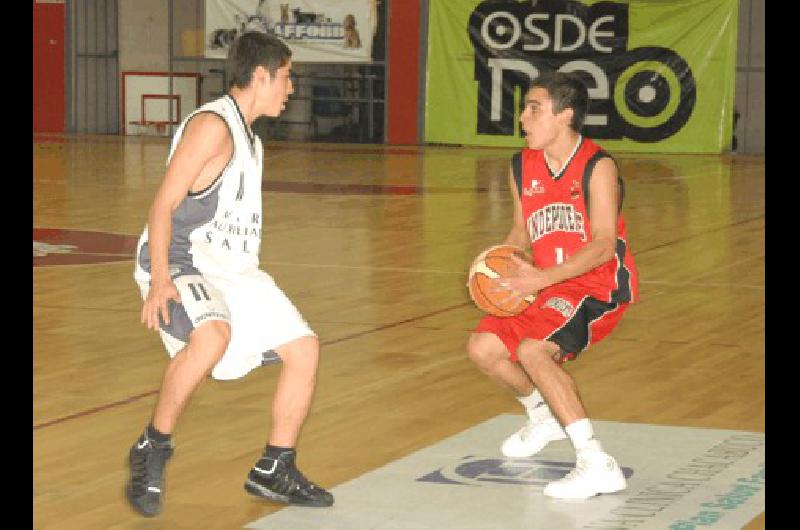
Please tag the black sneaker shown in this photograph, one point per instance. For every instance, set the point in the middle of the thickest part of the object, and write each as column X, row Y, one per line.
column 147, row 460
column 279, row 480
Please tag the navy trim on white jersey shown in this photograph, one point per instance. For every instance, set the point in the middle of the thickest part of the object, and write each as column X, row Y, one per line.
column 217, row 230
column 249, row 133
column 207, row 189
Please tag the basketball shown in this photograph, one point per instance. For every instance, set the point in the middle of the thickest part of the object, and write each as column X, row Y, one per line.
column 495, row 262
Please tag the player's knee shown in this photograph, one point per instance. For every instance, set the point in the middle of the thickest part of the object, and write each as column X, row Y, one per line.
column 213, row 338
column 482, row 351
column 222, row 334
column 301, row 354
column 534, row 352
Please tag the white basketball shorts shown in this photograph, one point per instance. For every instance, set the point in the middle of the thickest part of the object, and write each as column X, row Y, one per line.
column 261, row 317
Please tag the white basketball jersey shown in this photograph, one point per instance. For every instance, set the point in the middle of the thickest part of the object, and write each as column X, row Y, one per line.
column 217, row 231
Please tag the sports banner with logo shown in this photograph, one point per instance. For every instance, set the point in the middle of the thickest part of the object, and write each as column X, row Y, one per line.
column 660, row 74
column 315, row 30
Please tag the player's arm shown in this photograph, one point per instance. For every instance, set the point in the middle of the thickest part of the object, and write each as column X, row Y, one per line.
column 204, row 140
column 518, row 235
column 603, row 196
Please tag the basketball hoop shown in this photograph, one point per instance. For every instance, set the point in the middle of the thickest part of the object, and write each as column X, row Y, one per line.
column 157, row 97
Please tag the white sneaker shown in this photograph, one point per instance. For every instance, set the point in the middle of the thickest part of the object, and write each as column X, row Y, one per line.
column 595, row 472
column 533, row 437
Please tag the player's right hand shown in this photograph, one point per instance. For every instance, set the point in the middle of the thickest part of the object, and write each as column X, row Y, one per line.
column 157, row 301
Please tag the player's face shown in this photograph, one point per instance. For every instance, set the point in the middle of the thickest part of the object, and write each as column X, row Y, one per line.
column 278, row 90
column 541, row 126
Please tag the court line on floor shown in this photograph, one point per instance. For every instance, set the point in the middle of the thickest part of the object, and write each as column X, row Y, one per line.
column 127, row 255
column 693, row 236
column 394, row 324
column 344, row 150
column 464, row 273
column 435, row 271
column 325, row 343
column 362, row 267
column 93, row 410
column 699, row 284
column 272, row 156
column 359, row 334
column 345, row 188
column 402, row 269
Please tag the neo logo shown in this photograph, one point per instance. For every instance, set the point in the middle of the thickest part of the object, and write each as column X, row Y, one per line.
column 645, row 94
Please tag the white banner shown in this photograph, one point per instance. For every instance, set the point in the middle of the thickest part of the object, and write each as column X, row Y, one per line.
column 315, row 30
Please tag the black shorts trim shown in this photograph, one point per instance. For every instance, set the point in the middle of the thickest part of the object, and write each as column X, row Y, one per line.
column 516, row 166
column 623, row 291
column 587, row 174
column 575, row 335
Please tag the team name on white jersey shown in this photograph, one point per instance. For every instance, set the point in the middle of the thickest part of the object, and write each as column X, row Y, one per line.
column 238, row 227
column 556, row 217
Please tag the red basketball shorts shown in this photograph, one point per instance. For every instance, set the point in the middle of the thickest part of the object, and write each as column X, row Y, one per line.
column 563, row 314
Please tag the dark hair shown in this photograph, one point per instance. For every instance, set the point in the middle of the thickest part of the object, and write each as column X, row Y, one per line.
column 566, row 91
column 253, row 49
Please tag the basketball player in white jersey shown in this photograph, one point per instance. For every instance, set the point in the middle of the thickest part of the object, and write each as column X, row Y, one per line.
column 197, row 269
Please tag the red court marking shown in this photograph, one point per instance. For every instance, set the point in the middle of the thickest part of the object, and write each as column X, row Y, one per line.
column 89, row 247
column 393, row 325
column 45, row 138
column 93, row 410
column 77, row 259
column 359, row 189
column 345, row 150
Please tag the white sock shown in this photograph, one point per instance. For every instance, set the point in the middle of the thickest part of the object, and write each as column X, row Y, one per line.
column 532, row 401
column 535, row 406
column 582, row 437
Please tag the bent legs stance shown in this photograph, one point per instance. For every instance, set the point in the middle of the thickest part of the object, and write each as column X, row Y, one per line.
column 490, row 355
column 187, row 370
column 558, row 388
column 538, row 375
column 295, row 389
column 275, row 475
column 539, row 370
column 183, row 375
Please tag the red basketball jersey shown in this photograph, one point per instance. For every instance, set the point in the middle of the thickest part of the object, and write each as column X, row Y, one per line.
column 555, row 209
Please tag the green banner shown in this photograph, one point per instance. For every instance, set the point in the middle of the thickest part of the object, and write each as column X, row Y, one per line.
column 661, row 74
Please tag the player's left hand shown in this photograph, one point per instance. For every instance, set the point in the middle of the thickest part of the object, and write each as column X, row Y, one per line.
column 524, row 281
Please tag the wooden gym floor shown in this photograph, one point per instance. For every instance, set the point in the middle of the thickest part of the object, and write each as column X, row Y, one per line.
column 372, row 244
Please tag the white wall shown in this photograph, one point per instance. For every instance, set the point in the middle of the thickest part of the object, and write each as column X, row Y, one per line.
column 143, row 35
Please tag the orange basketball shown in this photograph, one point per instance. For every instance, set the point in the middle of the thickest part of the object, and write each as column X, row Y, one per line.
column 495, row 262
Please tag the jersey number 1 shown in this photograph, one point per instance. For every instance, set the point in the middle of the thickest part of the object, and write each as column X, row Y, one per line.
column 559, row 255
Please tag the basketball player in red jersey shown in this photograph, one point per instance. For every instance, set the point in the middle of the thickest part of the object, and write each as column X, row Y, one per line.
column 567, row 199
